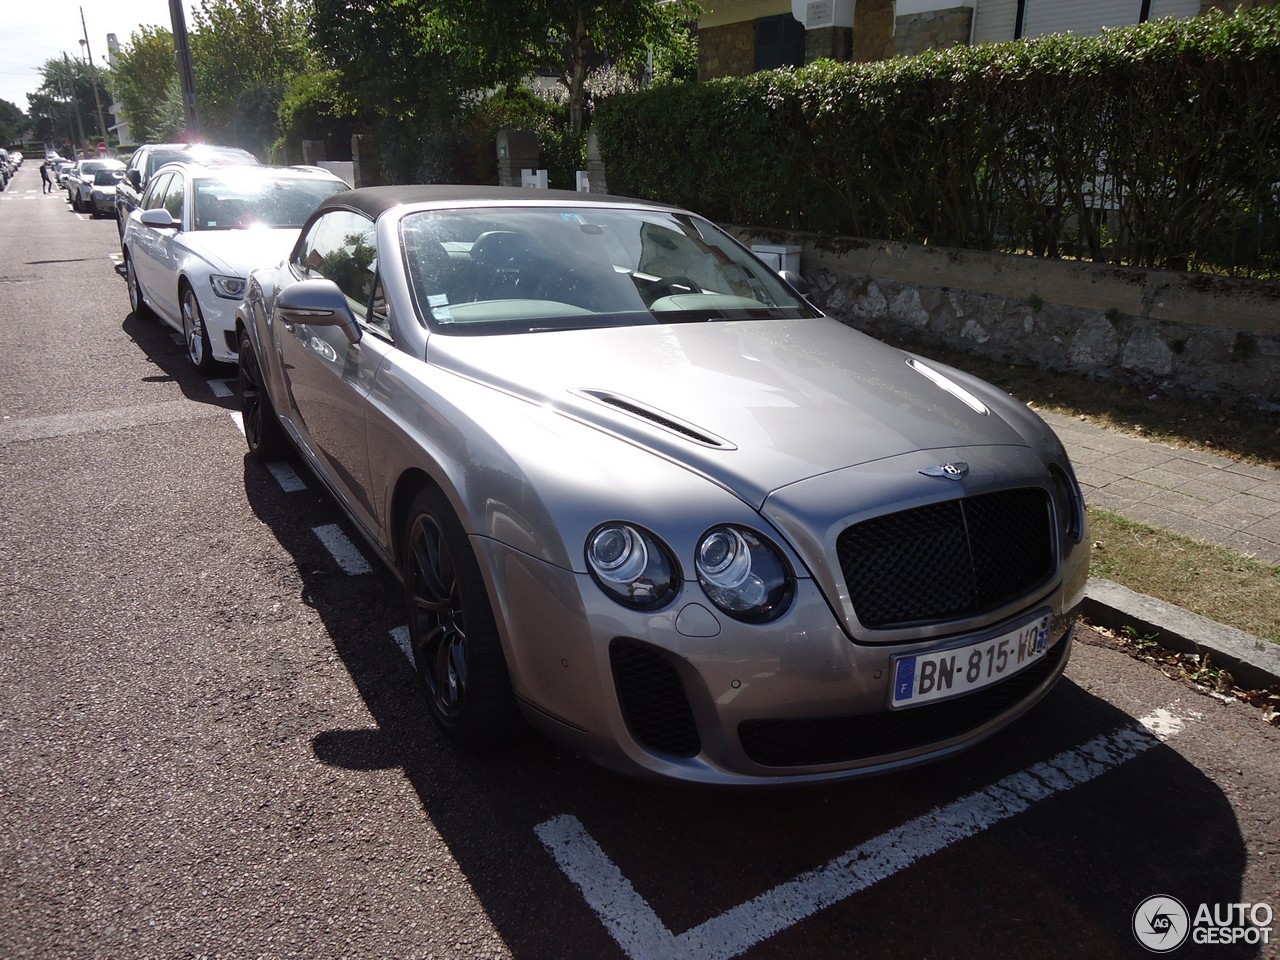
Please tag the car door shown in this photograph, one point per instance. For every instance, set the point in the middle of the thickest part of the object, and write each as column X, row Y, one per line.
column 155, row 252
column 329, row 376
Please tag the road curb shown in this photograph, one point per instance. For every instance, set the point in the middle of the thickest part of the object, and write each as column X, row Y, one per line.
column 1253, row 662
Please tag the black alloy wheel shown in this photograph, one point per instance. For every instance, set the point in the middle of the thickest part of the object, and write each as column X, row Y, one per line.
column 451, row 627
column 262, row 429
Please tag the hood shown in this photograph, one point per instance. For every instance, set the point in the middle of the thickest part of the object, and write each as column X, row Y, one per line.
column 753, row 405
column 240, row 251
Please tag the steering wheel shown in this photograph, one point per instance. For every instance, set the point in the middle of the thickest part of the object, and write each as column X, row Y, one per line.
column 670, row 286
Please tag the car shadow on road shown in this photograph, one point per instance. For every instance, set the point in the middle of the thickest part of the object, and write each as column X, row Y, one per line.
column 1062, row 878
column 163, row 346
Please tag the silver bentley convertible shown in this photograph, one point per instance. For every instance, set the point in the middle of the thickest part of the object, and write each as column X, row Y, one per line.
column 644, row 495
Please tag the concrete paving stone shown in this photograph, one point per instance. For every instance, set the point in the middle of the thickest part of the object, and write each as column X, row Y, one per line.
column 1260, row 508
column 1132, row 490
column 1229, row 513
column 1267, row 529
column 1147, row 454
column 1161, row 476
column 1091, row 476
column 1256, row 471
column 1238, row 482
column 1268, row 491
column 1082, row 456
column 1154, row 515
column 1264, row 551
column 1203, row 457
column 1185, row 504
column 1205, row 490
column 1104, row 501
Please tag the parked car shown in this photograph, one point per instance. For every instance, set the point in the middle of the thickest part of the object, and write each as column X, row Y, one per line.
column 61, row 169
column 150, row 157
column 79, row 181
column 102, row 195
column 188, row 249
column 640, row 491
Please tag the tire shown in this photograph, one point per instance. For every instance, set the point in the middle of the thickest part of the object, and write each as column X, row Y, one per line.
column 451, row 627
column 199, row 350
column 136, row 301
column 262, row 429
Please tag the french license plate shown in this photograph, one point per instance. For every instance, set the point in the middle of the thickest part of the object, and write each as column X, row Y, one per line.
column 924, row 677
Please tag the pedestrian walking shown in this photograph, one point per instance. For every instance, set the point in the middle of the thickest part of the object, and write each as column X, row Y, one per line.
column 44, row 175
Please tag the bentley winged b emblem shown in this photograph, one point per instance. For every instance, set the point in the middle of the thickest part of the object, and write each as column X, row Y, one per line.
column 948, row 471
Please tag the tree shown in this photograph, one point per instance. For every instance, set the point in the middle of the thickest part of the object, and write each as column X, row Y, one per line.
column 65, row 96
column 143, row 75
column 563, row 36
column 12, row 122
column 244, row 53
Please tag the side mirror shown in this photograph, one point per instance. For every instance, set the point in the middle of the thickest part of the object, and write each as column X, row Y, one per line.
column 160, row 218
column 135, row 178
column 797, row 282
column 318, row 303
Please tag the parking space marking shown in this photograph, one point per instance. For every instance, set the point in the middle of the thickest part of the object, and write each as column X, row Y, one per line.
column 286, row 476
column 178, row 339
column 643, row 936
column 238, row 419
column 343, row 551
column 401, row 637
column 221, row 389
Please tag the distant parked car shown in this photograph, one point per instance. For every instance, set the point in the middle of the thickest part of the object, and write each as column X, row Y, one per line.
column 102, row 197
column 190, row 245
column 79, row 181
column 60, row 170
column 150, row 157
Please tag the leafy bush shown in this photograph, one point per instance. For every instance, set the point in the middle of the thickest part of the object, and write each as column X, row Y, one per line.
column 1154, row 145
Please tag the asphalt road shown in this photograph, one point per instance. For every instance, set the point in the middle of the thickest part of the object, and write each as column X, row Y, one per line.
column 212, row 746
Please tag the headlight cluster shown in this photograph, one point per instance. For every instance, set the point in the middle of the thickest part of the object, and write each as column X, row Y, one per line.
column 229, row 288
column 740, row 570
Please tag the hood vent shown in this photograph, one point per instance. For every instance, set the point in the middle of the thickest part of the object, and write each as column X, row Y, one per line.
column 656, row 418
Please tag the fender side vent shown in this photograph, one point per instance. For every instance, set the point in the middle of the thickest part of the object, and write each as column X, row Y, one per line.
column 657, row 418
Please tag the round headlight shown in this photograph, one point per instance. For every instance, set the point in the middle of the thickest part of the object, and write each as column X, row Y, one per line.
column 632, row 565
column 744, row 574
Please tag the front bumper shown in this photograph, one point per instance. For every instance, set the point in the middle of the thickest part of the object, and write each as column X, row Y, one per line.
column 689, row 694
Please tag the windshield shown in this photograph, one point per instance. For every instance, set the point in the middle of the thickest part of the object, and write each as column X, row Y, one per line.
column 233, row 202
column 107, row 178
column 522, row 269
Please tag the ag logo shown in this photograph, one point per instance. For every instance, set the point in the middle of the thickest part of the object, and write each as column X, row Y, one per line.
column 1161, row 924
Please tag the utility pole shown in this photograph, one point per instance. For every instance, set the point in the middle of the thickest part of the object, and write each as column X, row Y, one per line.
column 93, row 78
column 75, row 101
column 186, row 76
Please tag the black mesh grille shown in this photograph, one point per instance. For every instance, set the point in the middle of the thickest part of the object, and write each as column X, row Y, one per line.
column 955, row 559
column 792, row 743
column 653, row 701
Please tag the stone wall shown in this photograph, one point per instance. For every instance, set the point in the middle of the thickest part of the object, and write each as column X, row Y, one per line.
column 727, row 51
column 873, row 30
column 934, row 30
column 1181, row 333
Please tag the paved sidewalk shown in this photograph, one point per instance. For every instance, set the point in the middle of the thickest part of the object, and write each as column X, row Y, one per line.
column 1199, row 495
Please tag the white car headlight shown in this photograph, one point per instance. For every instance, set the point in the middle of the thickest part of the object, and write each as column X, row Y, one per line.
column 229, row 288
column 744, row 574
column 632, row 566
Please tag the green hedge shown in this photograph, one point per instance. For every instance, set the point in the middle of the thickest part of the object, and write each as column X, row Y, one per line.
column 1154, row 145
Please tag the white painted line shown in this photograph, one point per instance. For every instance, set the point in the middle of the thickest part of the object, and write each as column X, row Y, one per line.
column 401, row 637
column 286, row 476
column 350, row 559
column 220, row 389
column 643, row 936
column 238, row 419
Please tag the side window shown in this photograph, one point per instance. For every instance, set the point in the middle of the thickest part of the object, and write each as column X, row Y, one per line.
column 340, row 247
column 154, row 194
column 173, row 197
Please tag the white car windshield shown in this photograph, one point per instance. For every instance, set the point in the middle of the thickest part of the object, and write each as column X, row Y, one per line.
column 532, row 269
column 235, row 202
